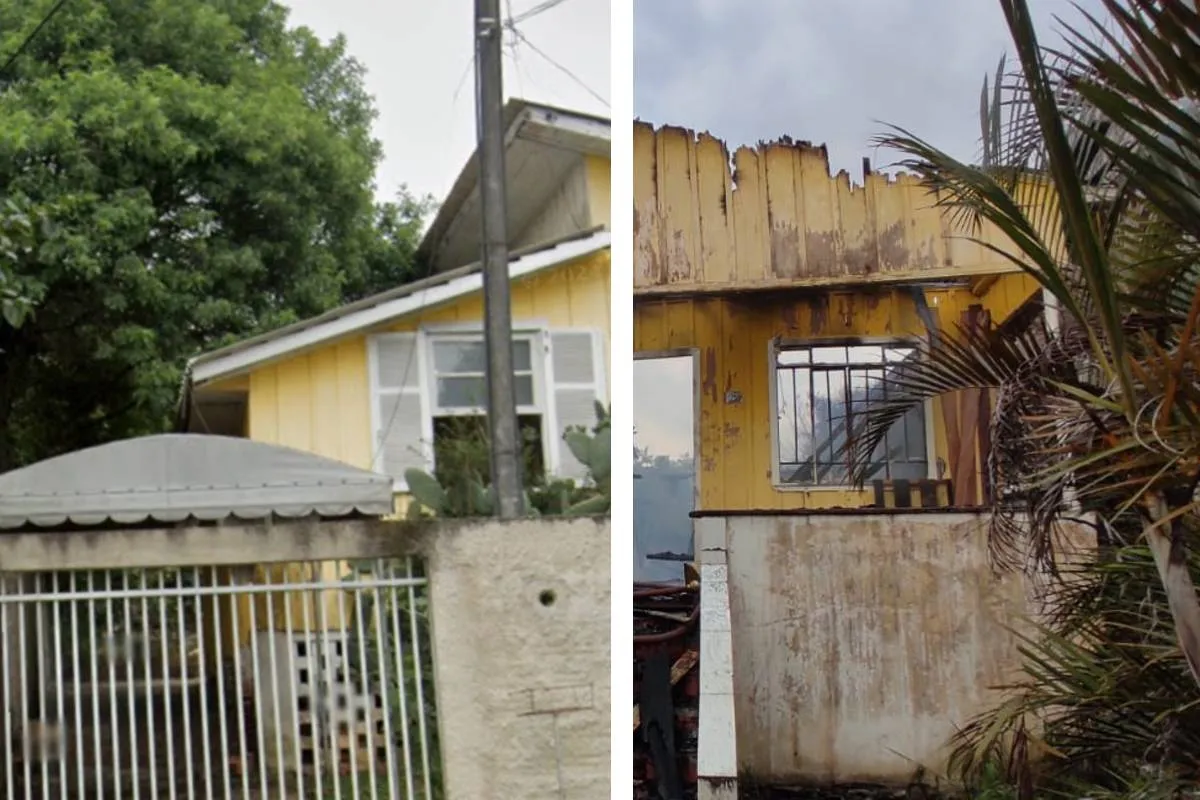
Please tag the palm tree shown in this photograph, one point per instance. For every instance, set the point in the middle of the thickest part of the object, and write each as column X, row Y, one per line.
column 1091, row 167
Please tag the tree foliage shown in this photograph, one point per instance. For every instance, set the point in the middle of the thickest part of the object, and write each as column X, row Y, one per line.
column 201, row 172
column 1092, row 170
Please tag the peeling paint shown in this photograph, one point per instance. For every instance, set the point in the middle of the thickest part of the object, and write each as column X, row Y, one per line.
column 773, row 215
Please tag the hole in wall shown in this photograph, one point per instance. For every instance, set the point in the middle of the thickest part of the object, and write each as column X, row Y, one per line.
column 547, row 597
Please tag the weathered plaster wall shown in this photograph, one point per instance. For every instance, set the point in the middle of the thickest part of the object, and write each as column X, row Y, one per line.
column 523, row 686
column 861, row 641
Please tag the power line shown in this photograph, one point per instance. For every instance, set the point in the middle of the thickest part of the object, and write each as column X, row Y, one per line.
column 533, row 12
column 579, row 81
column 32, row 35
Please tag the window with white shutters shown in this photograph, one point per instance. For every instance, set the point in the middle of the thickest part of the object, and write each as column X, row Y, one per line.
column 577, row 382
column 401, row 433
column 430, row 388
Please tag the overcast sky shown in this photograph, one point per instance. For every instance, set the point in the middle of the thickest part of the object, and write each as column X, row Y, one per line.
column 418, row 56
column 825, row 72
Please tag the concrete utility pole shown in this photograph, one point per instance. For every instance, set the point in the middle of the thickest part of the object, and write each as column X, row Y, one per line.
column 507, row 490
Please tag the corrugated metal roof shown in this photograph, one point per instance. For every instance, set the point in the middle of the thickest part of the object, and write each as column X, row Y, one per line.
column 175, row 477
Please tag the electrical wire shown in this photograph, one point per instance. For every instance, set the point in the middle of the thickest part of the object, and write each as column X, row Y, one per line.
column 579, row 81
column 28, row 39
column 530, row 13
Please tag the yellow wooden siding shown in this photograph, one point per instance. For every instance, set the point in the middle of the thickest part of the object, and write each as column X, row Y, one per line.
column 779, row 219
column 320, row 401
column 733, row 337
column 599, row 186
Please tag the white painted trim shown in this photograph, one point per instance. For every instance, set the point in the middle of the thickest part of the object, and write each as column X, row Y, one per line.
column 518, row 327
column 600, row 366
column 551, row 451
column 399, row 484
column 773, row 345
column 578, row 126
column 243, row 360
column 716, row 746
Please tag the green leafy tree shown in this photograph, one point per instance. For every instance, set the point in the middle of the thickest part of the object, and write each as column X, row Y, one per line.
column 204, row 172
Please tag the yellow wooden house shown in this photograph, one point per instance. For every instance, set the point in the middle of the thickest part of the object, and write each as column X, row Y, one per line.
column 847, row 633
column 369, row 383
column 793, row 289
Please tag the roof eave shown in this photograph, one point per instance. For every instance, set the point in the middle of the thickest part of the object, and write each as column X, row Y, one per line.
column 532, row 121
column 373, row 311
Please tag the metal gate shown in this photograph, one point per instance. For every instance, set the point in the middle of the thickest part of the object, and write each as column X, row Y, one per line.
column 304, row 680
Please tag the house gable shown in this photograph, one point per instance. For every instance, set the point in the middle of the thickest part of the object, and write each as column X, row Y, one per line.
column 556, row 165
column 321, row 399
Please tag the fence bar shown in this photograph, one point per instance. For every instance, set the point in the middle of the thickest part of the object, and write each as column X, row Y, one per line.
column 273, row 665
column 165, row 627
column 219, row 656
column 147, row 664
column 6, row 680
column 127, row 648
column 426, row 772
column 368, row 696
column 239, row 685
column 294, row 688
column 254, row 682
column 202, row 658
column 326, row 708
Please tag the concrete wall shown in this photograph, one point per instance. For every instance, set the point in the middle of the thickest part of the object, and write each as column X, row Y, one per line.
column 521, row 653
column 860, row 641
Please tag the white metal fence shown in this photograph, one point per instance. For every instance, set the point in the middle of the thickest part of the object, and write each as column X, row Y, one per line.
column 304, row 680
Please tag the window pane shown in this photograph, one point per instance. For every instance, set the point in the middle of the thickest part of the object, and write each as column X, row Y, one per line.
column 522, row 355
column 462, row 392
column 456, row 356
column 829, row 355
column 789, row 357
column 524, row 386
column 842, row 385
column 471, row 391
column 459, row 356
column 864, row 355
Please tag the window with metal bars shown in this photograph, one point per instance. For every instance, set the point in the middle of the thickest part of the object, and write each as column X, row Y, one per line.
column 819, row 391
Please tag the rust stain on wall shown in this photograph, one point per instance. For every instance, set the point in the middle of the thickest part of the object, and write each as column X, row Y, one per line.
column 847, row 672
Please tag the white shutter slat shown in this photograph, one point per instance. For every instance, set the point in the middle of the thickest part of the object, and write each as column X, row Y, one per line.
column 398, row 439
column 397, row 363
column 575, row 391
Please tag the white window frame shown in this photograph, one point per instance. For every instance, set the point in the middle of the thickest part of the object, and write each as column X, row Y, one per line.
column 777, row 344
column 533, row 330
column 537, row 332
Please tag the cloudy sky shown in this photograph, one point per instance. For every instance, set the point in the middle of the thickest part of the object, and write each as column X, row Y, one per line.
column 833, row 73
column 418, row 59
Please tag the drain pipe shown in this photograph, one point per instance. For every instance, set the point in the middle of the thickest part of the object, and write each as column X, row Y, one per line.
column 716, row 750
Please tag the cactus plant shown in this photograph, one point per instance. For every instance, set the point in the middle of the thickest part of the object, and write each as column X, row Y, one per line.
column 471, row 496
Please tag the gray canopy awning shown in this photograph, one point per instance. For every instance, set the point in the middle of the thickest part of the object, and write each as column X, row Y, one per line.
column 174, row 477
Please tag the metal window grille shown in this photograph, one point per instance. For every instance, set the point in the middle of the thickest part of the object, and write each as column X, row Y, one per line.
column 820, row 391
column 286, row 681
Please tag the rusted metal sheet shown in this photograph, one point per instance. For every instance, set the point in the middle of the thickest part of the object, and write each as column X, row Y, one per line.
column 773, row 216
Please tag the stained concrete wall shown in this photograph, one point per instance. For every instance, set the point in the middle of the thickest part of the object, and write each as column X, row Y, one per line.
column 861, row 641
column 522, row 662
